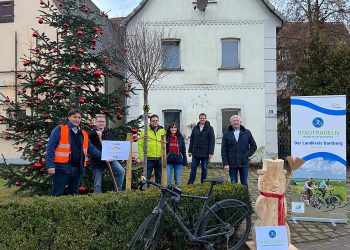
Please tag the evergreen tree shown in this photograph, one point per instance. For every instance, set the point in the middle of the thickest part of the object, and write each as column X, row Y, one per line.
column 60, row 74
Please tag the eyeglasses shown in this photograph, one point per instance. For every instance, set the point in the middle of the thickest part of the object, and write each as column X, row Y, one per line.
column 101, row 121
column 154, row 121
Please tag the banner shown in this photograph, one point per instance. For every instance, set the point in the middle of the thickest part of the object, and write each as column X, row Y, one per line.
column 318, row 136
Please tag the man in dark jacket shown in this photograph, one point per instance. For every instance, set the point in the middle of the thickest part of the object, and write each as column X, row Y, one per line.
column 66, row 154
column 237, row 146
column 99, row 133
column 201, row 147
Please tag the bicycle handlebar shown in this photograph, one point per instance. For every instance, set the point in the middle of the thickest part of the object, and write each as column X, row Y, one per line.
column 142, row 184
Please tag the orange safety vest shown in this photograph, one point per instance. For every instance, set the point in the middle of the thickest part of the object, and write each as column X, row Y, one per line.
column 62, row 151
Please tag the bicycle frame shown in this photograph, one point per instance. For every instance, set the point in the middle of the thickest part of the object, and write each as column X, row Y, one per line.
column 159, row 209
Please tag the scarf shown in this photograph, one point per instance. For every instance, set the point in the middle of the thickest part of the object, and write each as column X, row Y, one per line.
column 174, row 145
column 281, row 209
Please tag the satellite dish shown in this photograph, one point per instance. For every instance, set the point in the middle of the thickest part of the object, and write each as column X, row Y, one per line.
column 201, row 5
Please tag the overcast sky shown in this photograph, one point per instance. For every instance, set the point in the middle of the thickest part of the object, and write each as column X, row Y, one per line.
column 117, row 7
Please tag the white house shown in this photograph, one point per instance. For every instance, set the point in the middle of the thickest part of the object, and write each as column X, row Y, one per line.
column 225, row 64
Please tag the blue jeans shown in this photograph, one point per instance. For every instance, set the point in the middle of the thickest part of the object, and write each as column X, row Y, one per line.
column 177, row 173
column 194, row 165
column 243, row 174
column 157, row 166
column 60, row 180
column 118, row 172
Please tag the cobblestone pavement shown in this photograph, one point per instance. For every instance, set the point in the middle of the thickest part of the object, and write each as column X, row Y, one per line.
column 311, row 235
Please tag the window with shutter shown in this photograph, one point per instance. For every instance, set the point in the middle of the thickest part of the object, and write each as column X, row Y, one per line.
column 7, row 12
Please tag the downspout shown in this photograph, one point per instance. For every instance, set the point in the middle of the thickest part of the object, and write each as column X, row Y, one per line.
column 16, row 68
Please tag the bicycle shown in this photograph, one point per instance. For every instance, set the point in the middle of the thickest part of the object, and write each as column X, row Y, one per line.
column 224, row 225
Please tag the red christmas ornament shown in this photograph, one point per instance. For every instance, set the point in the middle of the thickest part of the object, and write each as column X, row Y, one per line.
column 42, row 2
column 82, row 189
column 129, row 85
column 38, row 165
column 40, row 144
column 65, row 25
column 2, row 118
column 37, row 101
column 18, row 75
column 75, row 68
column 57, row 95
column 47, row 94
column 34, row 149
column 57, row 61
column 29, row 103
column 119, row 116
column 118, row 107
column 96, row 29
column 126, row 94
column 60, row 4
column 40, row 20
column 44, row 116
column 135, row 138
column 80, row 33
column 82, row 100
column 26, row 63
column 86, row 9
column 78, row 86
column 93, row 40
column 133, row 130
column 35, row 34
column 50, row 84
column 14, row 114
column 36, row 50
column 39, row 80
column 126, row 49
column 112, row 100
column 106, row 111
column 97, row 73
column 54, row 50
column 81, row 51
column 18, row 183
column 7, row 136
column 93, row 47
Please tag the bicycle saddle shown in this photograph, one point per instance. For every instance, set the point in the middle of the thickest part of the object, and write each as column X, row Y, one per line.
column 216, row 180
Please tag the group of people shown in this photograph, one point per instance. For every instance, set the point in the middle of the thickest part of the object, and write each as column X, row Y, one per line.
column 67, row 151
column 69, row 145
column 237, row 146
column 309, row 186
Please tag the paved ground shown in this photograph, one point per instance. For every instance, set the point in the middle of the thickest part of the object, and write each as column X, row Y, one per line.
column 312, row 235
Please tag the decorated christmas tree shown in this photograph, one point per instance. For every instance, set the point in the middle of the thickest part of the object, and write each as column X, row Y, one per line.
column 58, row 75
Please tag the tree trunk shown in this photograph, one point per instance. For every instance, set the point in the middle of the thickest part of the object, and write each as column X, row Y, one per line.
column 145, row 138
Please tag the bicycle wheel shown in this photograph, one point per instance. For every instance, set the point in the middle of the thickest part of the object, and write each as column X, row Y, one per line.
column 336, row 201
column 325, row 205
column 147, row 235
column 231, row 217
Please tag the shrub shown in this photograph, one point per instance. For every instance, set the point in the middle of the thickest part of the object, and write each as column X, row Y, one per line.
column 105, row 221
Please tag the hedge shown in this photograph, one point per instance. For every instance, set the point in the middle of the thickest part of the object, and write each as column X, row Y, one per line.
column 105, row 221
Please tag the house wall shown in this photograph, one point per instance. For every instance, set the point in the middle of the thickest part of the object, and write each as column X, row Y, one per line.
column 201, row 86
column 25, row 19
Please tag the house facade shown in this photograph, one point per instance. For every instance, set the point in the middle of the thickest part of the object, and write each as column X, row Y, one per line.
column 17, row 19
column 223, row 63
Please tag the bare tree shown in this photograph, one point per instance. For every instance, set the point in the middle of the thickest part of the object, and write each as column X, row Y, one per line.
column 142, row 59
column 315, row 11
